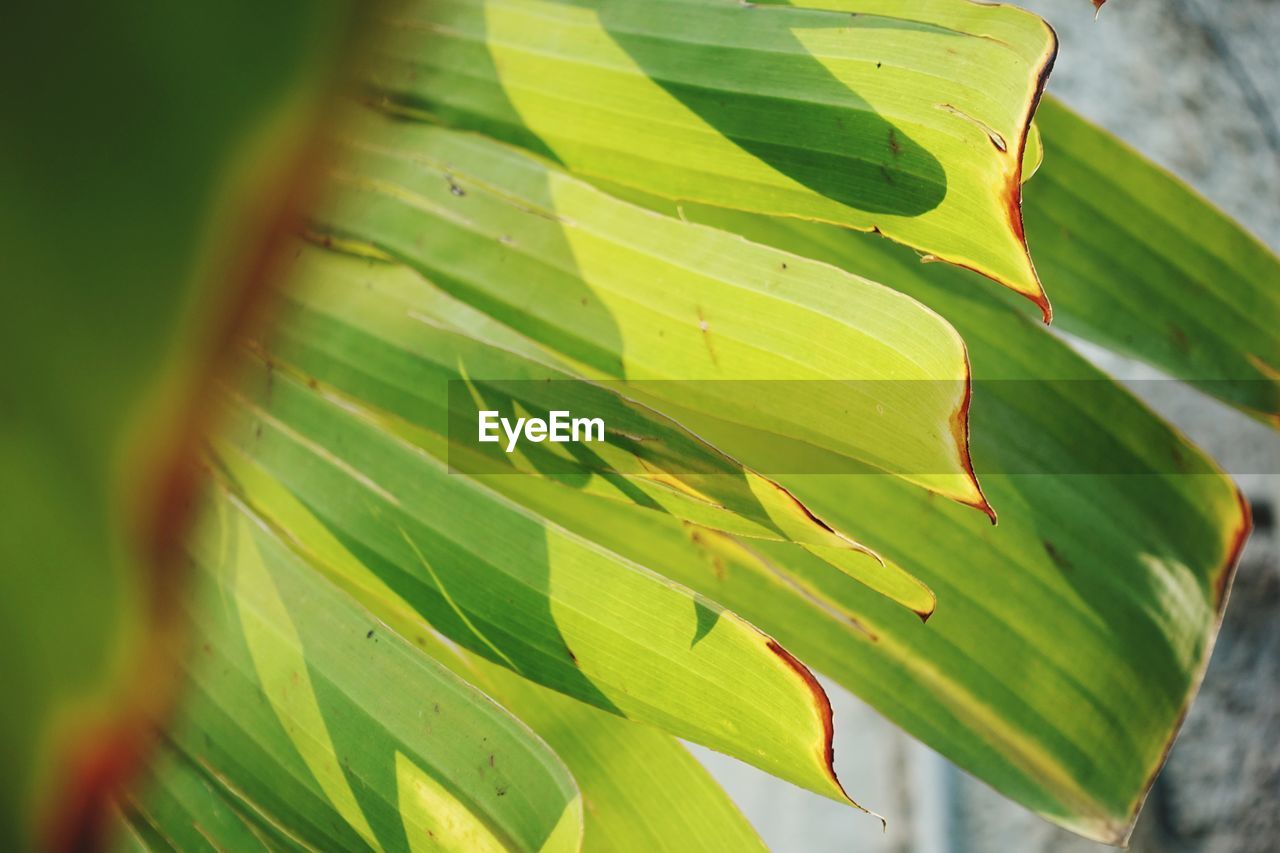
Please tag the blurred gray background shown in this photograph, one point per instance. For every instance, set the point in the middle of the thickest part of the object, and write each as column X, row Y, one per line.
column 1195, row 85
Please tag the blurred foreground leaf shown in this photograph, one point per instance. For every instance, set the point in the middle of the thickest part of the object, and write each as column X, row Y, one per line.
column 148, row 156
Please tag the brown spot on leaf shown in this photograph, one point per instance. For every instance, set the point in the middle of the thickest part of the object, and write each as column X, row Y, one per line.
column 1057, row 556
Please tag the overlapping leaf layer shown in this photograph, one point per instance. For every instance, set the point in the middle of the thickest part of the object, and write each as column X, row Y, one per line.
column 641, row 211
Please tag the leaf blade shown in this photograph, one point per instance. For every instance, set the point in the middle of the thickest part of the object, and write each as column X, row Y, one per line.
column 291, row 707
column 1069, row 639
column 625, row 295
column 901, row 118
column 553, row 607
column 1143, row 265
column 354, row 325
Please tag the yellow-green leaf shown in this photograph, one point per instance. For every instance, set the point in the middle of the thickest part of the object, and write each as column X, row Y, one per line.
column 537, row 599
column 907, row 117
column 319, row 721
column 679, row 312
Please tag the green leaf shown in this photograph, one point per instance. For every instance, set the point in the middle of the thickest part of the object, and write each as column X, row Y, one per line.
column 331, row 727
column 626, row 295
column 1140, row 263
column 643, row 790
column 181, row 807
column 142, row 172
column 646, row 791
column 537, row 599
column 128, row 835
column 1069, row 640
column 908, row 118
column 380, row 334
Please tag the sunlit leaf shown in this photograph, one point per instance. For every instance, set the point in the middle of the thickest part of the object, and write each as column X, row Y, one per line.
column 543, row 602
column 627, row 295
column 907, row 117
column 321, row 721
column 646, row 792
column 1070, row 639
column 643, row 790
column 385, row 337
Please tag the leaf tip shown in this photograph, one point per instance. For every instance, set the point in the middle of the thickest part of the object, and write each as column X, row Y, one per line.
column 960, row 434
column 1235, row 546
column 1041, row 301
column 1013, row 184
column 823, row 707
